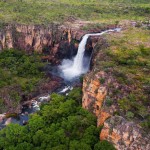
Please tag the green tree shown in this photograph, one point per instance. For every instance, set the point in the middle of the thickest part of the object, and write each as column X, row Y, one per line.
column 104, row 145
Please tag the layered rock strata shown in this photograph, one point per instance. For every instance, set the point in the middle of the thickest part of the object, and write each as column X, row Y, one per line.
column 123, row 134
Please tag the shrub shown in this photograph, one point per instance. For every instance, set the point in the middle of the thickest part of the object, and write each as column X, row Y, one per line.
column 109, row 101
column 104, row 145
column 129, row 115
column 102, row 80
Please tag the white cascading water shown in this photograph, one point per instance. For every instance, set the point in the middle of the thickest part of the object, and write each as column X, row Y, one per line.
column 73, row 68
column 78, row 60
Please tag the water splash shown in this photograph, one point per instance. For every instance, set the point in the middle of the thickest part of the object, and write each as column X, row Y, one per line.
column 74, row 68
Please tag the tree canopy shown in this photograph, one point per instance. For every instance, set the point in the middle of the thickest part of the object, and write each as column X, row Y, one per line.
column 61, row 124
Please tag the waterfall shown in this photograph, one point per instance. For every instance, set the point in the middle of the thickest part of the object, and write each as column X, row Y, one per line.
column 78, row 60
column 74, row 68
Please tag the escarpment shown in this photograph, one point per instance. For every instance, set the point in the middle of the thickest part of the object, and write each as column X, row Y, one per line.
column 114, row 93
column 115, row 129
column 56, row 41
column 104, row 94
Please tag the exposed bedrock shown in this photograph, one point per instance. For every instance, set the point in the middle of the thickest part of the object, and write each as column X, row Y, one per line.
column 122, row 133
column 125, row 135
column 55, row 41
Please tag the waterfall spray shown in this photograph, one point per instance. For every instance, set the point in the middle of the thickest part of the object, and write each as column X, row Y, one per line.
column 74, row 68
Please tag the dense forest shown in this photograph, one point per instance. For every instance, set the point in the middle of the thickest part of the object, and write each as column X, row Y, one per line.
column 20, row 73
column 61, row 124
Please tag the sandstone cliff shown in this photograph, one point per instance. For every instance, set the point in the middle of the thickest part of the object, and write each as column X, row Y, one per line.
column 116, row 129
column 55, row 40
column 98, row 85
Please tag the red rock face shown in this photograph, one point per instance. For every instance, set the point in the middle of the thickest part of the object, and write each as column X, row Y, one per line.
column 121, row 133
column 54, row 40
column 103, row 116
column 30, row 37
column 58, row 42
column 124, row 134
column 93, row 94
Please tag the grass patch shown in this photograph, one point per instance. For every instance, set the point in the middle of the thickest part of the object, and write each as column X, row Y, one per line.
column 127, row 60
column 44, row 12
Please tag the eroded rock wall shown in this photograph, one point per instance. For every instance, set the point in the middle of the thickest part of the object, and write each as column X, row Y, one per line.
column 94, row 93
column 122, row 133
column 55, row 40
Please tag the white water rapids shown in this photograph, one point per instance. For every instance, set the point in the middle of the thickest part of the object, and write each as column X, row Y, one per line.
column 74, row 68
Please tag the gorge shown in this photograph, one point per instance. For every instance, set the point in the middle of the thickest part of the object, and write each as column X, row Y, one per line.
column 63, row 46
column 69, row 70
